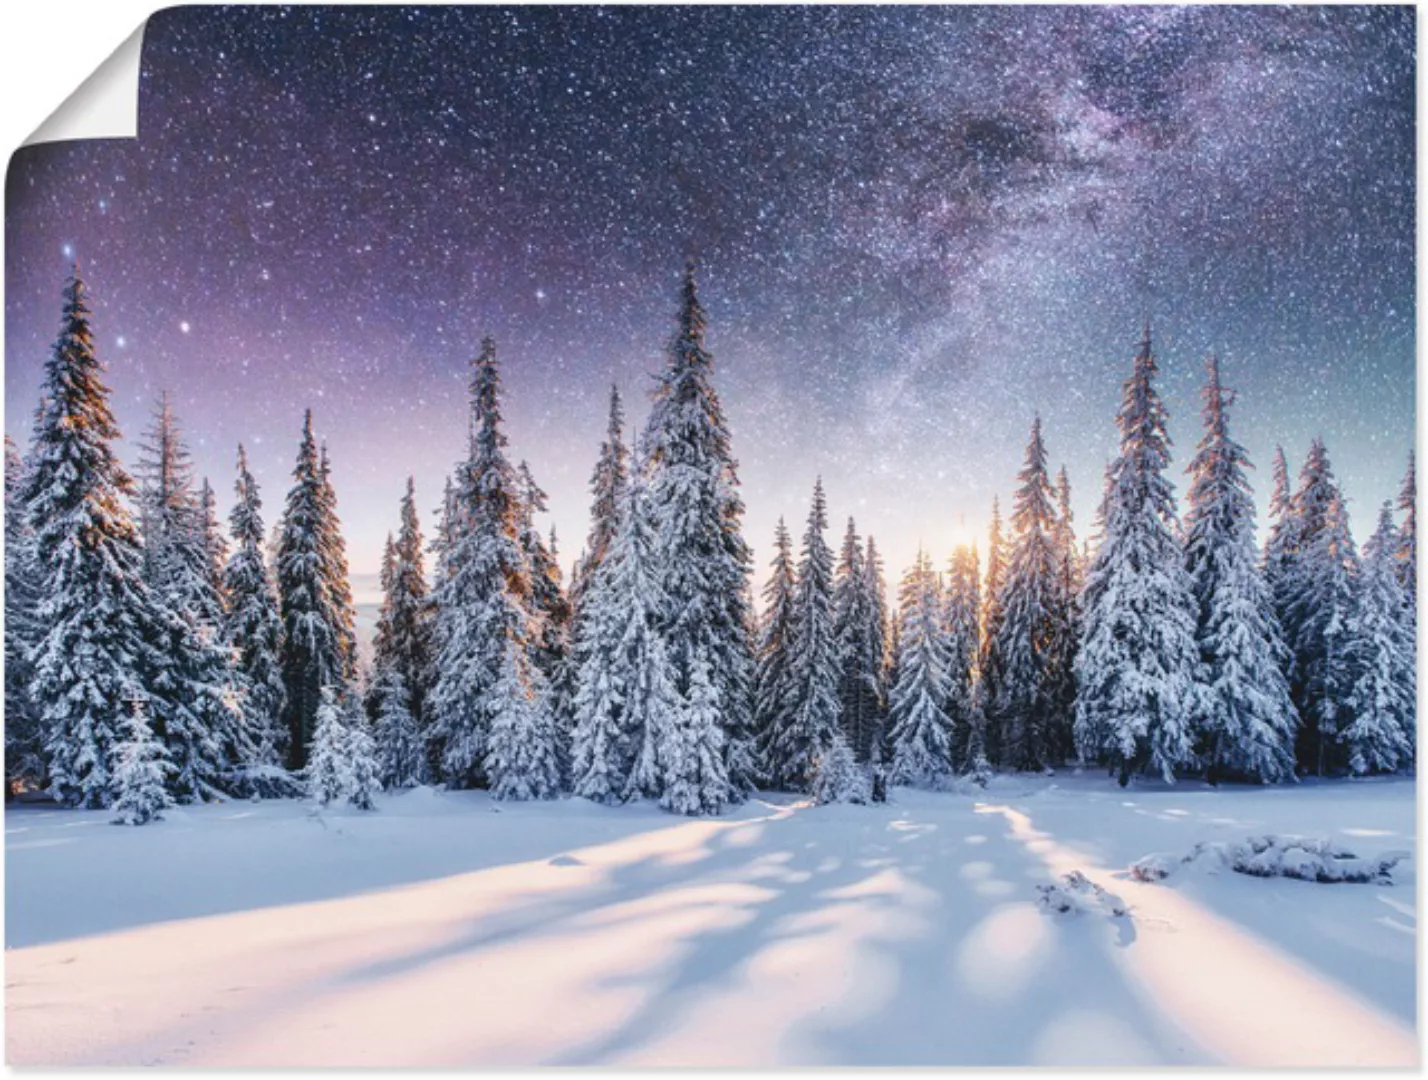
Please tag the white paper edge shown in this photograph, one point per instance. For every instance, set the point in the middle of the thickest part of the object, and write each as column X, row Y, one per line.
column 106, row 105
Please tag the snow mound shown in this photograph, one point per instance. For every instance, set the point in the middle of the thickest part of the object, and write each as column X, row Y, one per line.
column 1304, row 858
column 1310, row 859
column 1076, row 893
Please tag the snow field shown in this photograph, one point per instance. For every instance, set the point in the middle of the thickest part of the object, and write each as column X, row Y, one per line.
column 446, row 929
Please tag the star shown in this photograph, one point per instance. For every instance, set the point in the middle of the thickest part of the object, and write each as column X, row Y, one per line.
column 916, row 228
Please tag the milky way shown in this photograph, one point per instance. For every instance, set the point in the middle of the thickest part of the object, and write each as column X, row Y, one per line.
column 916, row 228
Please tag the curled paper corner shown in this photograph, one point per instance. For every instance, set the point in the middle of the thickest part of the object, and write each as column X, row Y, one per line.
column 106, row 105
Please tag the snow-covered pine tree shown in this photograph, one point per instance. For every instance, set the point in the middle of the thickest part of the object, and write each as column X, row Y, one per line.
column 1061, row 666
column 696, row 780
column 706, row 564
column 773, row 685
column 96, row 621
column 409, row 621
column 382, row 633
column 364, row 767
column 175, row 559
column 838, row 778
column 253, row 629
column 198, row 710
column 141, row 768
column 860, row 647
column 1138, row 670
column 989, row 658
column 198, row 692
column 921, row 734
column 1246, row 728
column 400, row 749
column 483, row 626
column 328, row 773
column 1318, row 583
column 1023, row 709
column 549, row 608
column 522, row 755
column 626, row 706
column 442, row 542
column 24, row 739
column 963, row 606
column 814, row 667
column 601, row 751
column 1281, row 544
column 607, row 487
column 1406, row 555
column 313, row 652
column 332, row 556
column 1382, row 702
column 651, row 703
column 215, row 550
column 879, row 645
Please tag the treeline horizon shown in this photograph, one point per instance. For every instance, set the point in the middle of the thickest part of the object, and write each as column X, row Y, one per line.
column 1161, row 644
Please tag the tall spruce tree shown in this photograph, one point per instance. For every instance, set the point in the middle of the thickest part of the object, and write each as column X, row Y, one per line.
column 408, row 623
column 989, row 657
column 169, row 515
column 441, row 543
column 1281, row 542
column 179, row 567
column 626, row 708
column 523, row 747
column 315, row 650
column 483, row 628
column 24, row 738
column 964, row 602
column 1318, row 585
column 197, row 704
column 1247, row 723
column 1380, row 735
column 215, row 550
column 94, row 647
column 607, row 488
column 773, row 685
column 1061, row 665
column 1138, row 669
column 332, row 550
column 1406, row 554
column 382, row 633
column 860, row 647
column 549, row 607
column 253, row 627
column 921, row 735
column 706, row 564
column 879, row 646
column 814, row 668
column 1024, row 708
column 696, row 776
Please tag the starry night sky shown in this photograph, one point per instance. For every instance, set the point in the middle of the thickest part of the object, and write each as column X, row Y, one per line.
column 916, row 227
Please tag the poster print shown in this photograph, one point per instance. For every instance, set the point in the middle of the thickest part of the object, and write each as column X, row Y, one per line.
column 717, row 536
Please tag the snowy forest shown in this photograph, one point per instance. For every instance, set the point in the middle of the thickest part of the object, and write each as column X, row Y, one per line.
column 155, row 656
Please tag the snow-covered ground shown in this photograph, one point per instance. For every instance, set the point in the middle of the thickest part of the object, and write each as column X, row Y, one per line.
column 448, row 930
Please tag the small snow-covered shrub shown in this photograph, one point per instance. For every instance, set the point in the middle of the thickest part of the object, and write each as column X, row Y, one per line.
column 1303, row 858
column 264, row 780
column 1076, row 893
column 838, row 778
column 143, row 766
column 1155, row 867
column 1311, row 859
